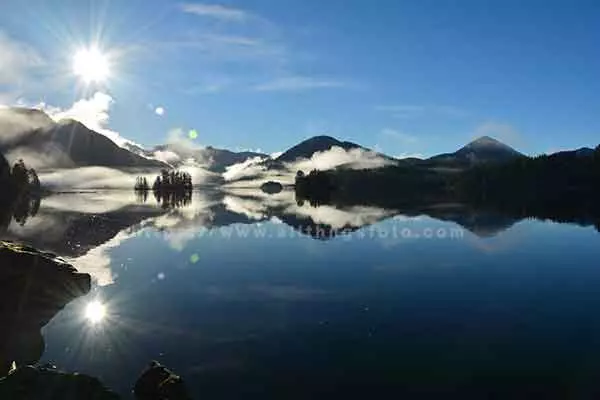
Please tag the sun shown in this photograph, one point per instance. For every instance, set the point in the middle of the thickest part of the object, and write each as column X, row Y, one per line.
column 91, row 65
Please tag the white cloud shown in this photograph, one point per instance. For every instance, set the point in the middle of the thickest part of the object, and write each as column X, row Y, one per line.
column 256, row 173
column 18, row 59
column 336, row 156
column 89, row 178
column 249, row 168
column 167, row 156
column 216, row 11
column 405, row 138
column 159, row 111
column 182, row 142
column 297, row 83
column 93, row 112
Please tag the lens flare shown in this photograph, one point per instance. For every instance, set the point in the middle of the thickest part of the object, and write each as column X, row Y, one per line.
column 95, row 312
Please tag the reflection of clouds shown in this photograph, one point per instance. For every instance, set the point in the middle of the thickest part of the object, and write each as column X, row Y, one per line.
column 286, row 178
column 501, row 242
column 249, row 207
column 97, row 261
column 340, row 218
column 257, row 205
column 41, row 222
column 183, row 224
column 91, row 202
column 254, row 203
column 180, row 238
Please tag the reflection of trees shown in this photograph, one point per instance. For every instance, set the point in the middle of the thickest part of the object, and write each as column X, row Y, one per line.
column 316, row 187
column 166, row 199
column 20, row 209
column 26, row 206
column 141, row 195
column 169, row 200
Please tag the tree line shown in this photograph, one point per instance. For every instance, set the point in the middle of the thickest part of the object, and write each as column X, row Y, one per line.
column 20, row 194
column 167, row 181
column 564, row 186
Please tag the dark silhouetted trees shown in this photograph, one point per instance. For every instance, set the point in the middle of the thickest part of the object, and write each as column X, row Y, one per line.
column 564, row 186
column 20, row 194
column 171, row 188
column 167, row 181
column 316, row 187
column 141, row 184
column 173, row 181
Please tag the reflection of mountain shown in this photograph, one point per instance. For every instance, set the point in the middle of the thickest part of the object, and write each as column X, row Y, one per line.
column 70, row 232
column 481, row 222
column 33, row 288
column 85, row 226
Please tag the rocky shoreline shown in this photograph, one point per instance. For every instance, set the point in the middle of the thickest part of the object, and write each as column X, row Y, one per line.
column 34, row 287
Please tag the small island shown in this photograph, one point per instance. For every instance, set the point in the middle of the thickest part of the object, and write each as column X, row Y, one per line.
column 166, row 182
column 172, row 189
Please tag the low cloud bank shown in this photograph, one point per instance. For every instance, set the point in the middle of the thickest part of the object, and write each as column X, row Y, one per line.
column 252, row 167
column 336, row 156
column 254, row 171
column 108, row 178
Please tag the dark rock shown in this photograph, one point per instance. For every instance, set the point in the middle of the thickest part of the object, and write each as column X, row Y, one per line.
column 159, row 383
column 271, row 187
column 41, row 383
column 34, row 287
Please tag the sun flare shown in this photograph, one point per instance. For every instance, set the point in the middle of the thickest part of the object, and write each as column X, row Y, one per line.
column 95, row 312
column 91, row 65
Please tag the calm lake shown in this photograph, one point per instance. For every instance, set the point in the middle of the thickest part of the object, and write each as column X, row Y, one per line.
column 246, row 294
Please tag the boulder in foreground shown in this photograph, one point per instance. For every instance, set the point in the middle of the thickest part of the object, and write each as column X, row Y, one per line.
column 39, row 383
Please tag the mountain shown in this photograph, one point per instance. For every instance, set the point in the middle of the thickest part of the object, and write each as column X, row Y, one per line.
column 315, row 144
column 482, row 150
column 222, row 158
column 211, row 158
column 33, row 135
column 15, row 120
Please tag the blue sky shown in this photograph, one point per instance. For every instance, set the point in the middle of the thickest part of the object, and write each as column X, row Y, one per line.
column 404, row 77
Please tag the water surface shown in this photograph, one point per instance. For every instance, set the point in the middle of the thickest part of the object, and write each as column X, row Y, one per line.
column 246, row 294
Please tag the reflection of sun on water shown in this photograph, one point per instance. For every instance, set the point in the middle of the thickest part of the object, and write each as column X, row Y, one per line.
column 95, row 312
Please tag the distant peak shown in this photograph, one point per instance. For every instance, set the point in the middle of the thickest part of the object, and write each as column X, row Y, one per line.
column 486, row 140
column 322, row 138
